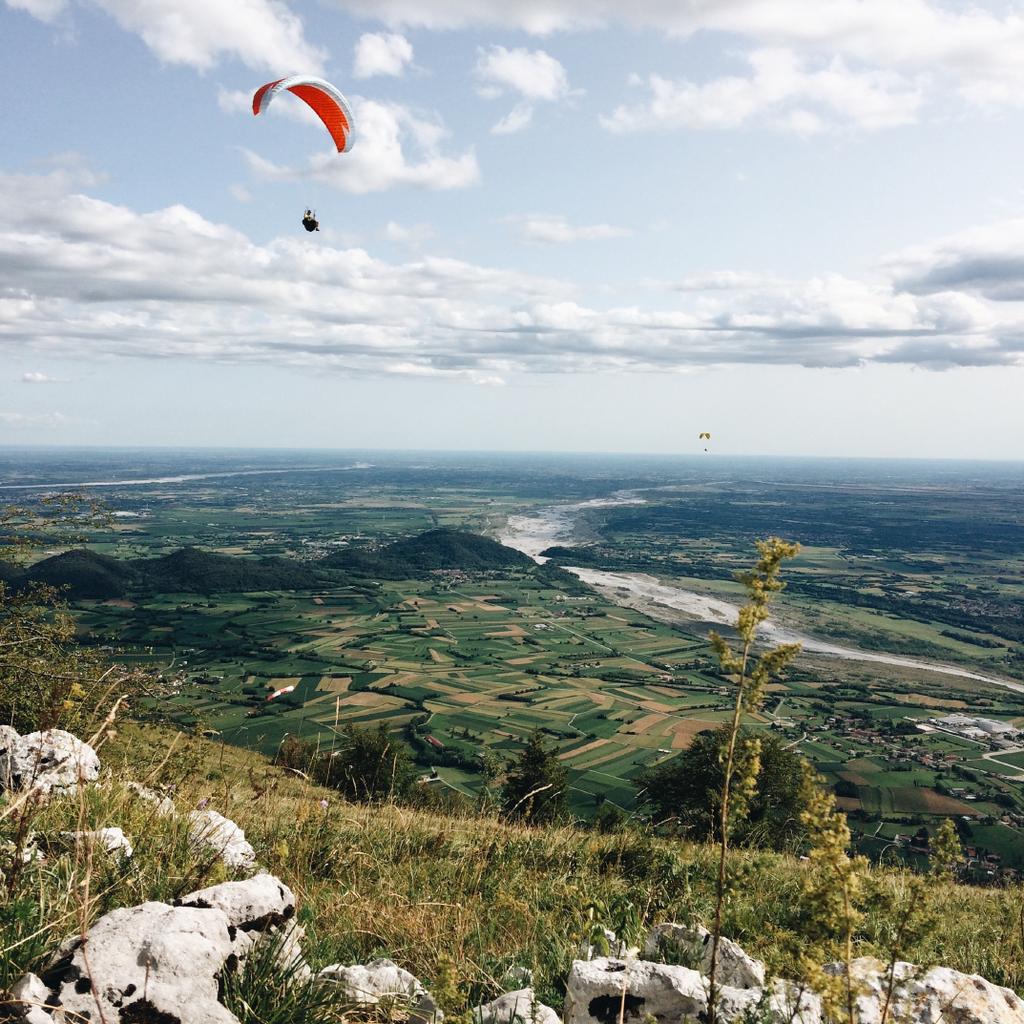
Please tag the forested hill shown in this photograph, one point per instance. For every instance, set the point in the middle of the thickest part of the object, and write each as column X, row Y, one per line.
column 82, row 572
column 436, row 549
column 88, row 574
column 194, row 570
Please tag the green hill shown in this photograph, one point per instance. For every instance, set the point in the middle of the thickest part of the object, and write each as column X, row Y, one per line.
column 194, row 571
column 88, row 574
column 436, row 549
column 82, row 573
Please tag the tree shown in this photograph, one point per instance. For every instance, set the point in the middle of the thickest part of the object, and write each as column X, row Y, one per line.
column 369, row 765
column 536, row 785
column 687, row 789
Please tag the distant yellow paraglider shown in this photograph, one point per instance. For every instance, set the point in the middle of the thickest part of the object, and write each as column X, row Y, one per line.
column 704, row 436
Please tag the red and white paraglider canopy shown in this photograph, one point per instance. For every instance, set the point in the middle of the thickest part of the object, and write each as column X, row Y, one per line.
column 330, row 106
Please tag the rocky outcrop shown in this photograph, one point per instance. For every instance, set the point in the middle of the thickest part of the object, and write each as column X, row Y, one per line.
column 161, row 963
column 607, row 990
column 30, row 997
column 923, row 997
column 692, row 947
column 45, row 762
column 383, row 981
column 519, row 1007
column 215, row 832
column 151, row 962
column 164, row 964
column 261, row 907
column 255, row 904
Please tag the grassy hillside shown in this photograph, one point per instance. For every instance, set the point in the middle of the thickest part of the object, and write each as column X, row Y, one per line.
column 455, row 900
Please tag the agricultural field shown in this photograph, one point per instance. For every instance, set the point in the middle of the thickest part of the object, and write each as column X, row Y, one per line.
column 483, row 665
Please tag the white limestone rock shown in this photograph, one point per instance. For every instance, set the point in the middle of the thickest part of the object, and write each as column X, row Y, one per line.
column 519, row 1007
column 251, row 905
column 792, row 1004
column 603, row 990
column 214, row 831
column 927, row 997
column 383, row 981
column 151, row 962
column 32, row 996
column 691, row 947
column 30, row 851
column 9, row 739
column 45, row 762
column 261, row 908
column 112, row 840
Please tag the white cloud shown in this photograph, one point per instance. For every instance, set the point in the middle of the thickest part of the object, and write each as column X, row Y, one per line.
column 84, row 278
column 395, row 146
column 240, row 192
column 379, row 53
column 238, row 101
column 34, row 377
column 978, row 50
column 44, row 10
column 726, row 280
column 986, row 260
column 781, row 93
column 552, row 229
column 533, row 74
column 262, row 34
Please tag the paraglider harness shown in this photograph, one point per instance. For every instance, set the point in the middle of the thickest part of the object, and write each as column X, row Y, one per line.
column 309, row 221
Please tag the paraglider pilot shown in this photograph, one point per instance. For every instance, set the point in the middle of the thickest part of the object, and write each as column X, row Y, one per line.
column 309, row 222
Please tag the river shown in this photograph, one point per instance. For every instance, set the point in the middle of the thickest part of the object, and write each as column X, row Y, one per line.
column 533, row 532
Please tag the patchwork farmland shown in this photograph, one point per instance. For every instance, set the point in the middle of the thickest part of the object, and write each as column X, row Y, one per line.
column 486, row 664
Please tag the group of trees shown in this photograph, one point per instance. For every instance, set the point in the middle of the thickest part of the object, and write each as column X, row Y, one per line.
column 371, row 765
column 684, row 793
column 681, row 795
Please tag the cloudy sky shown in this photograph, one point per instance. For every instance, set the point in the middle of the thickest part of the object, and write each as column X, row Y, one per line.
column 565, row 224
